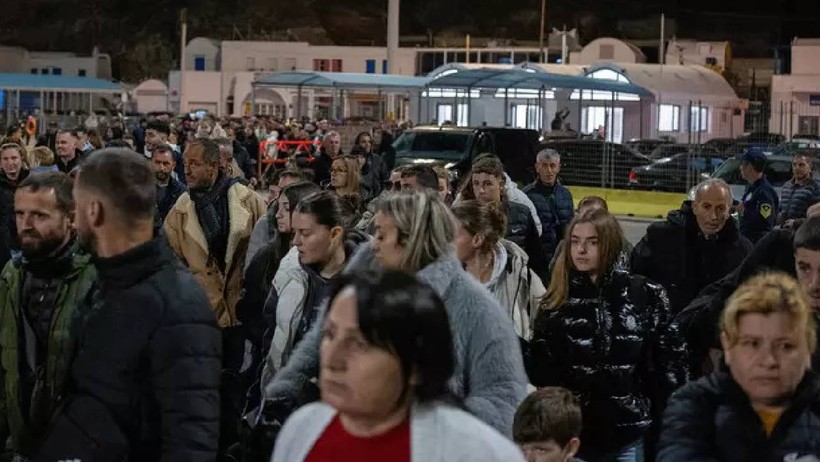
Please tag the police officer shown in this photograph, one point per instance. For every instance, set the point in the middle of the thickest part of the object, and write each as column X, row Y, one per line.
column 760, row 204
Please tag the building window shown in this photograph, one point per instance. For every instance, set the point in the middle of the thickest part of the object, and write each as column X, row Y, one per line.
column 34, row 70
column 370, row 66
column 526, row 116
column 81, row 72
column 384, row 66
column 444, row 113
column 668, row 118
column 250, row 64
column 337, row 65
column 199, row 63
column 321, row 65
column 57, row 71
column 599, row 118
column 272, row 64
column 606, row 52
column 808, row 125
column 44, row 71
column 699, row 120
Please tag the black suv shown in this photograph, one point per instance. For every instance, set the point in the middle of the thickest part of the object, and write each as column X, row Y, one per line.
column 456, row 147
column 596, row 163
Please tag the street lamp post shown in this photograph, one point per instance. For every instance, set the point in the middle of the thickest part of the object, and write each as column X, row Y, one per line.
column 541, row 32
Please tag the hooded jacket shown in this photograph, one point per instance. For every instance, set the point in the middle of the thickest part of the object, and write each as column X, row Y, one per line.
column 489, row 376
column 712, row 419
column 615, row 346
column 516, row 195
column 517, row 288
column 187, row 240
column 298, row 293
column 675, row 254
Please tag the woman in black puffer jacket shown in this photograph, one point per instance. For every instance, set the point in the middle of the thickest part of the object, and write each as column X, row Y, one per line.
column 606, row 335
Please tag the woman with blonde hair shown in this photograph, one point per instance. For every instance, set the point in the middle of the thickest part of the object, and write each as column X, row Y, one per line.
column 765, row 405
column 498, row 264
column 41, row 159
column 414, row 232
column 606, row 335
column 344, row 176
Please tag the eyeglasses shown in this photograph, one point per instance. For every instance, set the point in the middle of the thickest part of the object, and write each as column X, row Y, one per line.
column 391, row 185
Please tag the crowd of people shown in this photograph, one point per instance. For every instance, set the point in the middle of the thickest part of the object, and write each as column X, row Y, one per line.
column 164, row 301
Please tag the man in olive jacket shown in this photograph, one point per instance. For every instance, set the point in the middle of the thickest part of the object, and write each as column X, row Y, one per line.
column 41, row 296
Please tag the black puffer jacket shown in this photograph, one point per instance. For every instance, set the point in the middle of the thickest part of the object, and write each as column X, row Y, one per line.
column 145, row 383
column 521, row 230
column 675, row 254
column 712, row 419
column 615, row 347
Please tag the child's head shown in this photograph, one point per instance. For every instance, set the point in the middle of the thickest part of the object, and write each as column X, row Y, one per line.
column 547, row 425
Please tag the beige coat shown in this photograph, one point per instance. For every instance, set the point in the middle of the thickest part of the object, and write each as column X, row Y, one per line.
column 187, row 239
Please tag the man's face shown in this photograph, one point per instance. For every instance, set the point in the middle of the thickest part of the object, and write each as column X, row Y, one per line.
column 548, row 170
column 410, row 183
column 82, row 138
column 225, row 158
column 83, row 209
column 801, row 168
column 748, row 172
column 199, row 173
column 333, row 145
column 42, row 227
column 769, row 358
column 11, row 163
column 154, row 138
column 66, row 145
column 712, row 209
column 487, row 188
column 549, row 451
column 807, row 266
column 162, row 162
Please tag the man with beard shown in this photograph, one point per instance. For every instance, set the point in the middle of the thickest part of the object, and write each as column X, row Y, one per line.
column 209, row 229
column 157, row 133
column 41, row 294
column 144, row 383
column 168, row 188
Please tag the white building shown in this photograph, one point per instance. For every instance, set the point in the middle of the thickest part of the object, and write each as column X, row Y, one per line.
column 20, row 60
column 715, row 55
column 218, row 75
column 607, row 49
column 795, row 107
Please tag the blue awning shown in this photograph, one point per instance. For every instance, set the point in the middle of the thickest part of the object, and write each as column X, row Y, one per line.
column 61, row 83
column 534, row 80
column 341, row 80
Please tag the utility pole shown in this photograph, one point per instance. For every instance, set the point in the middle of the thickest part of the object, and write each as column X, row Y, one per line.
column 662, row 48
column 541, row 32
column 183, row 19
column 392, row 36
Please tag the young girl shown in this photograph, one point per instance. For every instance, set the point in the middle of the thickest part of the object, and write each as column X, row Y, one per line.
column 607, row 336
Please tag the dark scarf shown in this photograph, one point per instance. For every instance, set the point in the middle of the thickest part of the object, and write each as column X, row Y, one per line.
column 212, row 212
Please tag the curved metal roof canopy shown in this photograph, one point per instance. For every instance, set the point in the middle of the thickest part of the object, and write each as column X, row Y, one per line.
column 308, row 79
column 532, row 79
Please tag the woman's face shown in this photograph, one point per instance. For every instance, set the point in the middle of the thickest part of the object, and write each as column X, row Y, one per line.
column 465, row 244
column 338, row 174
column 356, row 378
column 315, row 242
column 487, row 188
column 366, row 142
column 385, row 243
column 283, row 215
column 583, row 244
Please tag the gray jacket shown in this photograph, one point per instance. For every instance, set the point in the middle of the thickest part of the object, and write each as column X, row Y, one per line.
column 489, row 376
column 438, row 433
column 262, row 234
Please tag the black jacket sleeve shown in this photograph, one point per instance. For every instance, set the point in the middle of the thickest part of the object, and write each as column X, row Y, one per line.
column 185, row 374
column 688, row 427
column 532, row 245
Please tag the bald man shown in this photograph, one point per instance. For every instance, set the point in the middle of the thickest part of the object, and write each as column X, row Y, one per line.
column 694, row 247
